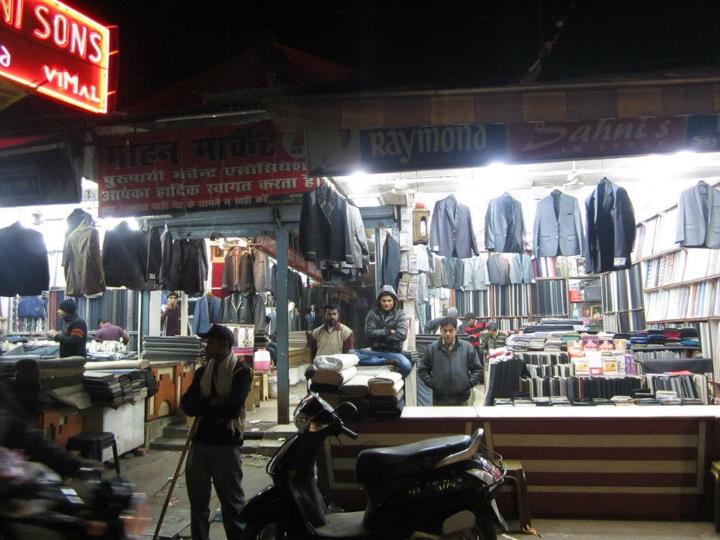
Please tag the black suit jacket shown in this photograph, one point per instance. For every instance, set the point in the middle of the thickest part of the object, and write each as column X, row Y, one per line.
column 610, row 226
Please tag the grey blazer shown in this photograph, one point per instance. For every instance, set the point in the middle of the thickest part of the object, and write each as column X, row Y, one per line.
column 451, row 230
column 504, row 225
column 498, row 269
column 520, row 268
column 553, row 235
column 695, row 227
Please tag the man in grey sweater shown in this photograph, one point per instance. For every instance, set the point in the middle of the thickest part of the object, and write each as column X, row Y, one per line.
column 450, row 367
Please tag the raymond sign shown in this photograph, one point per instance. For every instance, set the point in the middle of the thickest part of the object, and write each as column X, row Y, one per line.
column 607, row 137
column 58, row 52
column 202, row 169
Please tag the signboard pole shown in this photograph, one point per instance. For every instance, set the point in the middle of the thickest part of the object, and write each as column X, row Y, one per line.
column 282, row 330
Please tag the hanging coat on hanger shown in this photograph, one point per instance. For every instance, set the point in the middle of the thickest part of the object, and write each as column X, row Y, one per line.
column 698, row 218
column 558, row 227
column 83, row 263
column 166, row 248
column 504, row 225
column 391, row 261
column 24, row 266
column 451, row 229
column 610, row 228
column 124, row 256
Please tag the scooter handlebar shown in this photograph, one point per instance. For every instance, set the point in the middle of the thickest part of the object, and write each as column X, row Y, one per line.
column 349, row 432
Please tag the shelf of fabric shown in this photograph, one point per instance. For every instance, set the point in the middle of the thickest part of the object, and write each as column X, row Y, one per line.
column 659, row 254
column 681, row 283
column 686, row 319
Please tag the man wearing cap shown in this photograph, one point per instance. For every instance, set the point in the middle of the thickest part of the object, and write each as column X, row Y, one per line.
column 217, row 397
column 73, row 337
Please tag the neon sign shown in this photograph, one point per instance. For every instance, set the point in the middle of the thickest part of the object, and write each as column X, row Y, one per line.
column 57, row 51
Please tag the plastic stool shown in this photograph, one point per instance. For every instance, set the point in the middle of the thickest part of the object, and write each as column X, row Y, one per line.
column 515, row 477
column 91, row 445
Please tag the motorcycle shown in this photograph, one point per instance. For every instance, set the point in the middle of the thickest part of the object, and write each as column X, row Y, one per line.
column 35, row 503
column 439, row 488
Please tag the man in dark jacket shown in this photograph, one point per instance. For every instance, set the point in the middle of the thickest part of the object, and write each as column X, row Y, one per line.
column 73, row 337
column 386, row 326
column 450, row 367
column 217, row 397
column 170, row 318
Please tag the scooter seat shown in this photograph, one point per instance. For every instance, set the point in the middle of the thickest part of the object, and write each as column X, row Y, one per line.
column 379, row 465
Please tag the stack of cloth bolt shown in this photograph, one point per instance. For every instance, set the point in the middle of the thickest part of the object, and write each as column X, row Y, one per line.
column 114, row 387
column 376, row 391
column 187, row 348
column 42, row 383
column 331, row 371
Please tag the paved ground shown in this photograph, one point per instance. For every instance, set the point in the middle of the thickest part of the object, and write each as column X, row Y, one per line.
column 152, row 472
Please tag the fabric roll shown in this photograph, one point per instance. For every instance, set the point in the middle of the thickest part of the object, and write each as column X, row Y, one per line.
column 336, row 362
column 331, row 376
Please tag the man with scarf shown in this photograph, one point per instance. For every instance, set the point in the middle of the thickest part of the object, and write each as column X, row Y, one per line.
column 217, row 397
column 73, row 338
column 332, row 337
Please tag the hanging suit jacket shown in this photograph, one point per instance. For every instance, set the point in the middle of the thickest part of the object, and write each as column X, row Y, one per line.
column 124, row 256
column 238, row 275
column 245, row 308
column 498, row 270
column 504, row 225
column 698, row 218
column 83, row 263
column 451, row 230
column 261, row 271
column 357, row 254
column 166, row 247
column 24, row 266
column 391, row 262
column 208, row 310
column 323, row 222
column 561, row 234
column 520, row 268
column 610, row 227
column 154, row 258
column 189, row 266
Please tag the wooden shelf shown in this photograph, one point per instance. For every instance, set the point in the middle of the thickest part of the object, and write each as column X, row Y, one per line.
column 681, row 283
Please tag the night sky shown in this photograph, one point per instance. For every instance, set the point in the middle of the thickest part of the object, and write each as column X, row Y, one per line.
column 424, row 44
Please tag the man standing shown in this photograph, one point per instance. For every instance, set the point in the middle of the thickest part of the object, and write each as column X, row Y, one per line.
column 492, row 338
column 332, row 337
column 386, row 326
column 217, row 397
column 170, row 319
column 450, row 367
column 432, row 326
column 109, row 332
column 73, row 337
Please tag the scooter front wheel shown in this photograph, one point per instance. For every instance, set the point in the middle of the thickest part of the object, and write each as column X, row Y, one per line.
column 273, row 530
column 482, row 531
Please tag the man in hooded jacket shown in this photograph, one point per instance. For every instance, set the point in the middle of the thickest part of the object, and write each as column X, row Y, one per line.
column 386, row 327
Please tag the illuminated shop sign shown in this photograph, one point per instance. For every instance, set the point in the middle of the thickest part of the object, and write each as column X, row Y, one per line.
column 57, row 51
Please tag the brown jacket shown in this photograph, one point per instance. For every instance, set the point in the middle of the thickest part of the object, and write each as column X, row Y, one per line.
column 83, row 263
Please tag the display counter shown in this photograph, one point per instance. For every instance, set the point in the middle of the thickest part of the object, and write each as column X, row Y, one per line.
column 639, row 462
column 173, row 378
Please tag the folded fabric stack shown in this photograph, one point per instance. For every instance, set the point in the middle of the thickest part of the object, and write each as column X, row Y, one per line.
column 188, row 348
column 118, row 364
column 114, row 387
column 519, row 342
column 39, row 381
column 332, row 371
column 537, row 341
column 387, row 395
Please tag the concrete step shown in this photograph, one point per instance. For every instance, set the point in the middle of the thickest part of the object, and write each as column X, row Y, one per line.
column 168, row 443
column 251, row 446
column 176, row 431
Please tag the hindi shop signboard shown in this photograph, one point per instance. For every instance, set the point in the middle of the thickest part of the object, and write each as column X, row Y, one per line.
column 57, row 51
column 201, row 169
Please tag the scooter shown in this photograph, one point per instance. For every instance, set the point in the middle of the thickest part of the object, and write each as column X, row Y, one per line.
column 443, row 487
